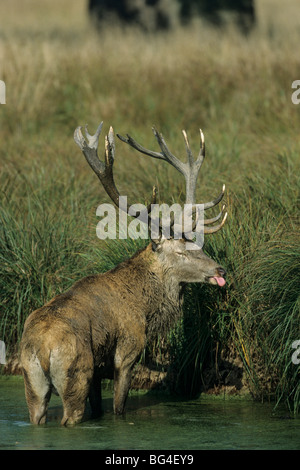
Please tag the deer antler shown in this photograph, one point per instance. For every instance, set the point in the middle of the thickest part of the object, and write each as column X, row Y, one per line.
column 104, row 170
column 189, row 170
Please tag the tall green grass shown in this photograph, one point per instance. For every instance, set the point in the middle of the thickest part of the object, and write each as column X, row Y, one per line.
column 272, row 319
column 257, row 315
column 39, row 249
column 238, row 90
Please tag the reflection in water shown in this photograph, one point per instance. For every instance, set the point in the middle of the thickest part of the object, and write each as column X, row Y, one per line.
column 151, row 422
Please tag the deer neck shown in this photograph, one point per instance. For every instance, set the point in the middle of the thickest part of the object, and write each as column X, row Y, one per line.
column 164, row 291
column 165, row 282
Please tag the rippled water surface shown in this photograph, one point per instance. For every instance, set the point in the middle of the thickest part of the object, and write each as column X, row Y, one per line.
column 154, row 422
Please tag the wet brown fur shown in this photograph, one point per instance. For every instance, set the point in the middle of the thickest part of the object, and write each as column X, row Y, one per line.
column 98, row 329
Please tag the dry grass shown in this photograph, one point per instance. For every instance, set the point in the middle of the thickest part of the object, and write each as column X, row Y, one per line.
column 60, row 74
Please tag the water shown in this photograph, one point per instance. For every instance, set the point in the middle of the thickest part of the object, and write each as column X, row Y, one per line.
column 155, row 422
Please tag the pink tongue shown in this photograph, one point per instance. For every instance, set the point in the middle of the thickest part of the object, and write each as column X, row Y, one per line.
column 220, row 280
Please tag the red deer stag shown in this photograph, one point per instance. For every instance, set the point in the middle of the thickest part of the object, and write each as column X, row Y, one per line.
column 99, row 327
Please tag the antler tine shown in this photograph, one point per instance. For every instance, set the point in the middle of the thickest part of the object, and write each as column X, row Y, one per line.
column 202, row 146
column 110, row 147
column 93, row 139
column 208, row 205
column 190, row 170
column 188, row 148
column 214, row 219
column 216, row 227
column 216, row 201
column 90, row 150
column 206, row 221
column 165, row 153
column 133, row 143
column 194, row 168
column 104, row 171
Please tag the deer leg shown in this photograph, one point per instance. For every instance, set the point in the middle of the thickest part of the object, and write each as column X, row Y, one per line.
column 122, row 378
column 72, row 379
column 95, row 398
column 74, row 397
column 37, row 392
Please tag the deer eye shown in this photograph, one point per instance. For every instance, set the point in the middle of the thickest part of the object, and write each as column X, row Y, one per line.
column 181, row 253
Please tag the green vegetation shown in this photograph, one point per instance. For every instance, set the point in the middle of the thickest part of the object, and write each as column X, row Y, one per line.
column 60, row 74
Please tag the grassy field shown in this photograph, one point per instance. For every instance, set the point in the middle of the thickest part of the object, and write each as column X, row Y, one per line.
column 59, row 74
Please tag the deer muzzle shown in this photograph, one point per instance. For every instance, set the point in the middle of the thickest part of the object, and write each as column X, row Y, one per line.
column 220, row 278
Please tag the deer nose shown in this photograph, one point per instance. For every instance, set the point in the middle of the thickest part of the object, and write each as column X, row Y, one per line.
column 221, row 271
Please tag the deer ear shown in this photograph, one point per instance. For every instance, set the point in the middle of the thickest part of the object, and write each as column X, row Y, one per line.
column 156, row 244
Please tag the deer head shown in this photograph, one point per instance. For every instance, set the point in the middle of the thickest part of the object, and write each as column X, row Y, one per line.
column 181, row 258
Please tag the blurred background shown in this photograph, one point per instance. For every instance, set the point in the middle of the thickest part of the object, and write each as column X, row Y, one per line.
column 224, row 66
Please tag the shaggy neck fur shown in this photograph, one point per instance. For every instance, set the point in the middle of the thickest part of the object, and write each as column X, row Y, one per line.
column 164, row 294
column 156, row 289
